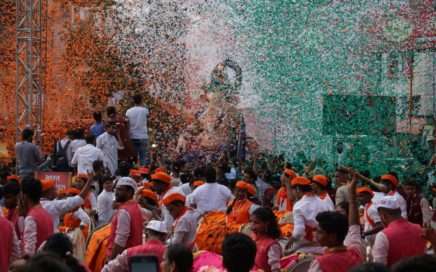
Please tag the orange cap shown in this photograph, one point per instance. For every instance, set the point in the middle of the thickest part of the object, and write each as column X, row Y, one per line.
column 321, row 180
column 150, row 195
column 197, row 183
column 47, row 184
column 391, row 178
column 243, row 185
column 72, row 191
column 289, row 173
column 362, row 190
column 13, row 177
column 173, row 197
column 303, row 181
column 162, row 177
column 135, row 173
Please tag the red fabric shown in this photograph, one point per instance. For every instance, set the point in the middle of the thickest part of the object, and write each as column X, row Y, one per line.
column 44, row 224
column 263, row 244
column 150, row 248
column 340, row 261
column 136, row 225
column 240, row 213
column 6, row 231
column 399, row 247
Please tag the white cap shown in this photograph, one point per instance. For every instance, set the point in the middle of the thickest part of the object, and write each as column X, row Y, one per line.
column 157, row 226
column 127, row 181
column 388, row 202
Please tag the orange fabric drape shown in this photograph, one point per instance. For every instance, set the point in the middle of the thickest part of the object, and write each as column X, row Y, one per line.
column 95, row 255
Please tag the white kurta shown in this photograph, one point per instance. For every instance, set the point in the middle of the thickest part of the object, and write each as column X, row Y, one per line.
column 59, row 207
column 109, row 146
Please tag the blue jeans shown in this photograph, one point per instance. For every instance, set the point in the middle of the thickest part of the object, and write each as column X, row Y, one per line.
column 141, row 150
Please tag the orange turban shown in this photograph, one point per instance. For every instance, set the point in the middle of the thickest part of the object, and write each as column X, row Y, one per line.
column 135, row 173
column 197, row 183
column 13, row 177
column 162, row 177
column 150, row 195
column 289, row 173
column 144, row 171
column 391, row 178
column 157, row 170
column 243, row 185
column 47, row 184
column 173, row 197
column 72, row 191
column 362, row 190
column 303, row 181
column 321, row 180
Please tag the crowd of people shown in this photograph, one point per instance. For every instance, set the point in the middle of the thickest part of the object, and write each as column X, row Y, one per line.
column 125, row 211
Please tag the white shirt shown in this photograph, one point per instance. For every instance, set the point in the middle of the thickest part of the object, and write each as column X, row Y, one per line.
column 185, row 229
column 328, row 203
column 104, row 207
column 380, row 249
column 85, row 156
column 370, row 214
column 304, row 214
column 30, row 236
column 402, row 201
column 122, row 231
column 211, row 197
column 58, row 207
column 83, row 217
column 185, row 188
column 137, row 117
column 109, row 146
column 76, row 144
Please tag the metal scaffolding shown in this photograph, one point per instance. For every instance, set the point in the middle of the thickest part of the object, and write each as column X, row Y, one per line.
column 30, row 61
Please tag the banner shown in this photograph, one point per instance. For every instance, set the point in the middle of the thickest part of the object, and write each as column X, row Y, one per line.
column 62, row 179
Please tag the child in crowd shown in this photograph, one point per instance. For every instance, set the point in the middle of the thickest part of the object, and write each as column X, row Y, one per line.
column 266, row 232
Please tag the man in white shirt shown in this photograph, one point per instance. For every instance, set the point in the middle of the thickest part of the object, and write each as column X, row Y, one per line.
column 78, row 140
column 211, row 196
column 138, row 131
column 109, row 145
column 104, row 202
column 399, row 239
column 304, row 213
column 86, row 155
column 58, row 207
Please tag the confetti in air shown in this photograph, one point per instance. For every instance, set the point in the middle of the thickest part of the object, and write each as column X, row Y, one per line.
column 327, row 81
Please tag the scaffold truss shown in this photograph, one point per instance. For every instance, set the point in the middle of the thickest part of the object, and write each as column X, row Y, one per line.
column 31, row 18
